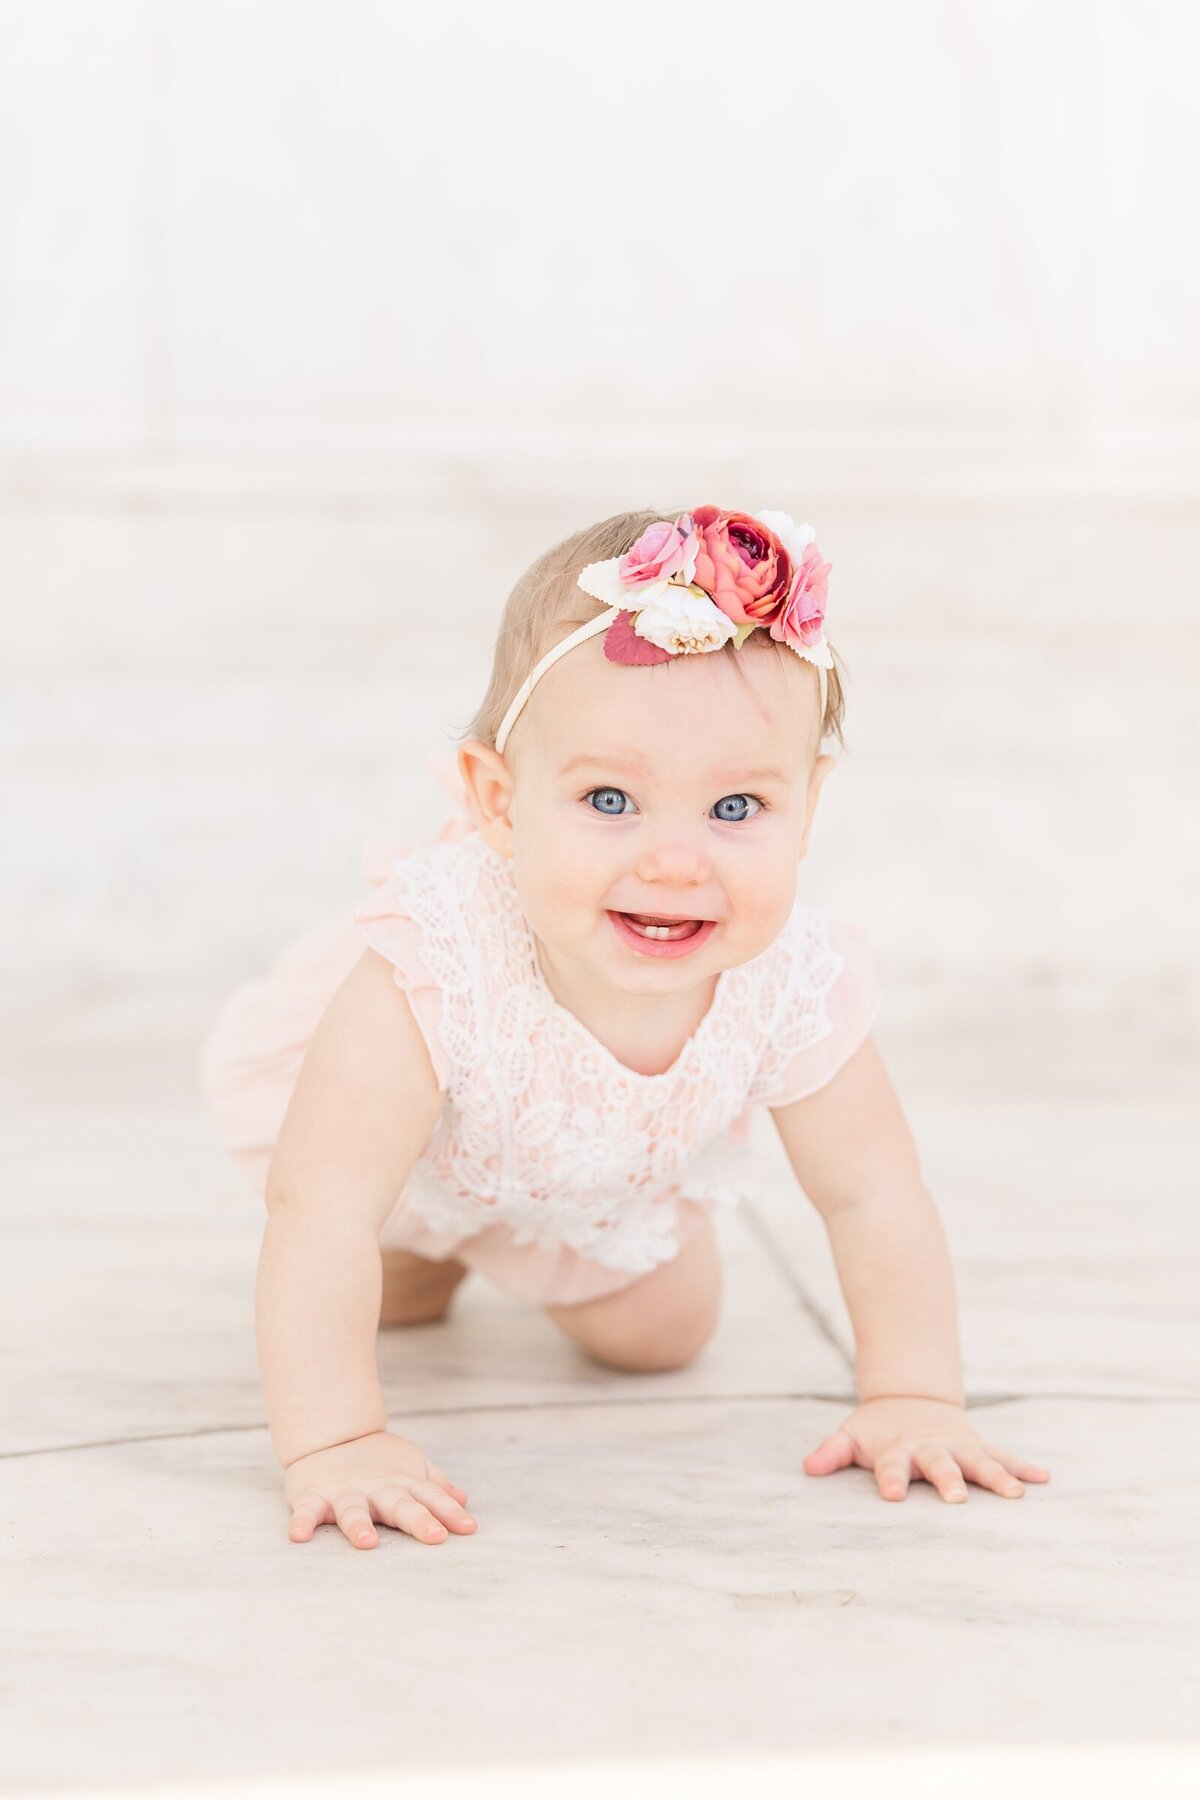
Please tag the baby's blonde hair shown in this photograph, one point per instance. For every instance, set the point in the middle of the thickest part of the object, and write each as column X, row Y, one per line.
column 546, row 605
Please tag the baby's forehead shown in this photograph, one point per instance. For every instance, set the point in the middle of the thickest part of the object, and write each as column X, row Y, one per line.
column 698, row 710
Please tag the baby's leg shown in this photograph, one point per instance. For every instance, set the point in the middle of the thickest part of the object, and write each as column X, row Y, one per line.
column 415, row 1289
column 663, row 1320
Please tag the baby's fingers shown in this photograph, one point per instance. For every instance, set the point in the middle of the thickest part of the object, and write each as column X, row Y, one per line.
column 451, row 1487
column 354, row 1518
column 986, row 1472
column 444, row 1506
column 394, row 1505
column 940, row 1469
column 1016, row 1465
column 310, row 1511
column 892, row 1473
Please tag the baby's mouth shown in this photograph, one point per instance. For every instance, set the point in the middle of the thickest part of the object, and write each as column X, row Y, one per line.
column 652, row 925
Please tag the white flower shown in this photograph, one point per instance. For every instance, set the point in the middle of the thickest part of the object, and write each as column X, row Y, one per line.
column 681, row 619
column 794, row 538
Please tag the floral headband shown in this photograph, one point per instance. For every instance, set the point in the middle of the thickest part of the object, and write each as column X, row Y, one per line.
column 692, row 586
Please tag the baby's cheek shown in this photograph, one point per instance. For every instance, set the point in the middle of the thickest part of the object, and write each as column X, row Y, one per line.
column 563, row 899
column 761, row 913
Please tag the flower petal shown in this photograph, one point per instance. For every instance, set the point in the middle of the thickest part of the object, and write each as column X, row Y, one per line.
column 794, row 538
column 683, row 621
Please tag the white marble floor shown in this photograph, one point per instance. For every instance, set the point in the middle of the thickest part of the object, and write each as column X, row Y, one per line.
column 656, row 1587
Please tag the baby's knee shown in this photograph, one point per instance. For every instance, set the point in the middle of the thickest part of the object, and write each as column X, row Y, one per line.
column 661, row 1322
column 657, row 1348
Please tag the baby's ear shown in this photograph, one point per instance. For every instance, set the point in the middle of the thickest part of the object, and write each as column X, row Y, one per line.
column 489, row 793
column 820, row 770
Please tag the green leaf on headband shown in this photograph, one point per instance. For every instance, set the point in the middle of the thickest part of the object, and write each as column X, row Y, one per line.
column 741, row 634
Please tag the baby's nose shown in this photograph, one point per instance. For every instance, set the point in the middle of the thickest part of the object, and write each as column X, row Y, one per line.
column 674, row 861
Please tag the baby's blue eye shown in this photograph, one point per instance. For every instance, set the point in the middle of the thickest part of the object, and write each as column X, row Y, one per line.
column 605, row 793
column 738, row 800
column 610, row 801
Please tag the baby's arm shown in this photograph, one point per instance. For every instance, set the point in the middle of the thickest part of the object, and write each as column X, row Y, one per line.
column 854, row 1155
column 362, row 1110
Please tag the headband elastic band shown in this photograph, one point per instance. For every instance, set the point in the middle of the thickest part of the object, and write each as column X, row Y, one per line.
column 600, row 623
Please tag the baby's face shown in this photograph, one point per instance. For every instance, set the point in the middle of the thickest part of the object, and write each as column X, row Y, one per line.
column 677, row 790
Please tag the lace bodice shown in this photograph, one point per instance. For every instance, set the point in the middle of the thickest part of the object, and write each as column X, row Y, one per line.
column 542, row 1127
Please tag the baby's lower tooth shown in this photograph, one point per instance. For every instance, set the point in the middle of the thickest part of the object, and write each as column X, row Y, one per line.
column 654, row 931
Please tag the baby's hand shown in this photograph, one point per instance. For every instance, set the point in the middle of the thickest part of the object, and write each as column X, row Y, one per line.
column 902, row 1435
column 380, row 1476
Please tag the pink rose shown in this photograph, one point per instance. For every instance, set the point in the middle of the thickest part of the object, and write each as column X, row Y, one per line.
column 742, row 565
column 660, row 552
column 802, row 619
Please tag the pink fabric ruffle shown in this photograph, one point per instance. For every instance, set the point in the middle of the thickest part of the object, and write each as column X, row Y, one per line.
column 386, row 927
column 851, row 1005
column 251, row 1059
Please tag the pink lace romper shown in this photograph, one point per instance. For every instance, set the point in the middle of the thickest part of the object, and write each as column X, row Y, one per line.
column 553, row 1168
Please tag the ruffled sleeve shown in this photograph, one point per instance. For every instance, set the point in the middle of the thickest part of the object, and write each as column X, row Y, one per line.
column 387, row 922
column 832, row 998
column 387, row 927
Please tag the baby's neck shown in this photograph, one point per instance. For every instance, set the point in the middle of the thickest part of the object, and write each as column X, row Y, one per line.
column 646, row 1032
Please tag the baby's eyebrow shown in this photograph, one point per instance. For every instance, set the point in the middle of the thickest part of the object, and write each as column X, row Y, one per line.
column 635, row 762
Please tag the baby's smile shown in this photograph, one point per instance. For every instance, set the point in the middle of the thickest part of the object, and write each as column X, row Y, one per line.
column 646, row 935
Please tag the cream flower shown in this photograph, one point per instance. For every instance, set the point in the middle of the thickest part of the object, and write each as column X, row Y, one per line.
column 681, row 619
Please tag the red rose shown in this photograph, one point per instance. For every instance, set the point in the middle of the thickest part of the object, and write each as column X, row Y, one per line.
column 742, row 565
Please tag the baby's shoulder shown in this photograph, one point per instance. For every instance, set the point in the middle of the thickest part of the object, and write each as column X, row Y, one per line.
column 444, row 897
column 434, row 911
column 828, row 997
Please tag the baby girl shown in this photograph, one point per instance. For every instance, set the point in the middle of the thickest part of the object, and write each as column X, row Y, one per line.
column 533, row 1051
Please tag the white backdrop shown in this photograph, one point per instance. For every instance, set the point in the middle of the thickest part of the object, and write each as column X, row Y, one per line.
column 366, row 226
column 318, row 321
